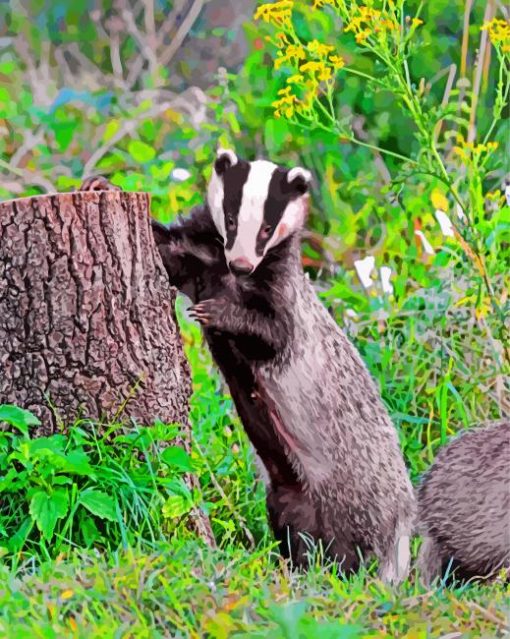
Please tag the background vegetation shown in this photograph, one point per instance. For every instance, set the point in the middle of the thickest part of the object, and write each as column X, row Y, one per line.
column 399, row 110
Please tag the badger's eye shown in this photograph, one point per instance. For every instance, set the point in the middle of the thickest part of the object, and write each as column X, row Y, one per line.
column 231, row 223
column 266, row 230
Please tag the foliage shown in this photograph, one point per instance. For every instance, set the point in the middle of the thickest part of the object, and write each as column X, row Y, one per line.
column 181, row 590
column 85, row 489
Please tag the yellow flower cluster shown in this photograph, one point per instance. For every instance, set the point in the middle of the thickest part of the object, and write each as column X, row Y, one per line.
column 314, row 63
column 368, row 21
column 293, row 53
column 467, row 151
column 318, row 4
column 277, row 13
column 499, row 33
column 286, row 105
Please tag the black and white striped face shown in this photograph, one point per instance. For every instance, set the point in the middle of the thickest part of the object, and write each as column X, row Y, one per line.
column 255, row 206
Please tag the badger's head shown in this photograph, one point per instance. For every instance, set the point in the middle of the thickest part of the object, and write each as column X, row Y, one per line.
column 255, row 206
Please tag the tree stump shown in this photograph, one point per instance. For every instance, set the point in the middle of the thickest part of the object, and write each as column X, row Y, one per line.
column 87, row 320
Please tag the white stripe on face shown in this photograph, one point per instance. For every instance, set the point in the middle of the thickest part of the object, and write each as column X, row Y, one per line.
column 251, row 213
column 293, row 219
column 215, row 202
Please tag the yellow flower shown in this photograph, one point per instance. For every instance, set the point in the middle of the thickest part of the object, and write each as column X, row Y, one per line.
column 319, row 49
column 311, row 66
column 469, row 151
column 493, row 195
column 499, row 33
column 367, row 21
column 354, row 25
column 337, row 61
column 325, row 74
column 277, row 13
column 416, row 22
column 293, row 53
column 286, row 105
column 281, row 40
column 390, row 25
column 297, row 78
column 362, row 36
column 318, row 4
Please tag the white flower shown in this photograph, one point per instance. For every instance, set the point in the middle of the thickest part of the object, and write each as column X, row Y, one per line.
column 387, row 286
column 444, row 223
column 460, row 212
column 180, row 174
column 507, row 194
column 363, row 268
column 425, row 243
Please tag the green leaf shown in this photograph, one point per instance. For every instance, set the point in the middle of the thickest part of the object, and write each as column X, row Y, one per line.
column 16, row 543
column 18, row 417
column 176, row 506
column 61, row 480
column 110, row 130
column 52, row 444
column 64, row 132
column 276, row 134
column 47, row 508
column 88, row 529
column 177, row 457
column 99, row 503
column 77, row 462
column 141, row 152
column 13, row 480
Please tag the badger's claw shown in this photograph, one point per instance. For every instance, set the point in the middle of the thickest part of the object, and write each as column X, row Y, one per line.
column 209, row 312
column 97, row 183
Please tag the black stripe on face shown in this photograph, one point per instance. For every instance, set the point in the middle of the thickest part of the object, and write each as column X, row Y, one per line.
column 280, row 194
column 234, row 180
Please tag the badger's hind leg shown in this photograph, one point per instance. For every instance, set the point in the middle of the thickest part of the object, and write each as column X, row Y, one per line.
column 429, row 562
column 395, row 560
column 293, row 519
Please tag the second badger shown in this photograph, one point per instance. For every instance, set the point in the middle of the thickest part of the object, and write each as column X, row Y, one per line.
column 303, row 394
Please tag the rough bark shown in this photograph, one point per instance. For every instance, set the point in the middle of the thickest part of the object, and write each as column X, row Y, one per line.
column 87, row 324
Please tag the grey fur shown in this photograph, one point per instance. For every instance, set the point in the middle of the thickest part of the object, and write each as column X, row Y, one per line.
column 342, row 443
column 464, row 506
column 306, row 400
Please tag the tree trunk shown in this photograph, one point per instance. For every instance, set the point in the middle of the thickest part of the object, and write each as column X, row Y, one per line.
column 86, row 314
column 87, row 324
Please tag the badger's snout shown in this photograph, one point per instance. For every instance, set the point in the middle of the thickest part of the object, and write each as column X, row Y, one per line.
column 241, row 266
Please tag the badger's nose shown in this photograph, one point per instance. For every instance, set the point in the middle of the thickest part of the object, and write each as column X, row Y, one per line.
column 240, row 266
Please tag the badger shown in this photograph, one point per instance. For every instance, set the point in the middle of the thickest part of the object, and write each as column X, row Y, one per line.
column 336, row 474
column 464, row 507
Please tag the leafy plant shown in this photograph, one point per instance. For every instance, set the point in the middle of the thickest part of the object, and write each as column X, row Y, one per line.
column 82, row 488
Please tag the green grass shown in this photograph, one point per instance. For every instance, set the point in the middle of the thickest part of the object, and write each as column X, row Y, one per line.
column 186, row 590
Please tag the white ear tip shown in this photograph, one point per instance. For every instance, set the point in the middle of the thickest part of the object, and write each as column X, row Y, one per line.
column 229, row 153
column 298, row 171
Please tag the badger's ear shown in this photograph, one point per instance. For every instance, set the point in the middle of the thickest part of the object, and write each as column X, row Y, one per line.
column 299, row 179
column 225, row 158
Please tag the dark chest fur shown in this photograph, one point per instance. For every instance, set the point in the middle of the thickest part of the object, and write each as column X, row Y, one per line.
column 196, row 265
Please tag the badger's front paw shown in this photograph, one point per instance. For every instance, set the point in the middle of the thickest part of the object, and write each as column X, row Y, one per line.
column 210, row 313
column 97, row 183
